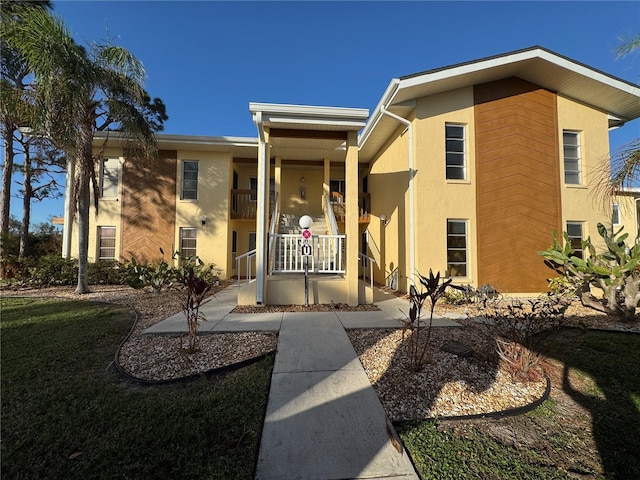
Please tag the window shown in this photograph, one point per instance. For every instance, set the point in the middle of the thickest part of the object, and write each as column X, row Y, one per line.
column 188, row 241
column 571, row 144
column 457, row 248
column 574, row 231
column 455, row 152
column 189, row 180
column 252, row 241
column 109, row 172
column 337, row 190
column 253, row 185
column 234, row 248
column 615, row 214
column 106, row 243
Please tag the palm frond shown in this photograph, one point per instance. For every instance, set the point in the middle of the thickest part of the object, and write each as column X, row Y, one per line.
column 627, row 45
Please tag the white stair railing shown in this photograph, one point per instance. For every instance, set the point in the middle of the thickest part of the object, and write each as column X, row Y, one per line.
column 327, row 257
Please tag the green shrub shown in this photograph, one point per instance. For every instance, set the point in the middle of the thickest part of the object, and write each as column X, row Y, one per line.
column 50, row 270
column 106, row 272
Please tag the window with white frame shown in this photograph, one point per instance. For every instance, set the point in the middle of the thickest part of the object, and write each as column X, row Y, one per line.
column 109, row 173
column 188, row 242
column 189, row 180
column 457, row 257
column 106, row 243
column 252, row 241
column 575, row 232
column 615, row 214
column 456, row 162
column 572, row 162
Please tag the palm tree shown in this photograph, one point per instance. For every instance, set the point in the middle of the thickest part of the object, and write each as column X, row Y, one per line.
column 82, row 91
column 14, row 107
column 625, row 161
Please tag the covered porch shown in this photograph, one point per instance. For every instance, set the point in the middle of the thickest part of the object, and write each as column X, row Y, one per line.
column 307, row 165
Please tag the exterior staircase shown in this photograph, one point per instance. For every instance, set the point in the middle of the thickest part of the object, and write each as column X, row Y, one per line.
column 288, row 224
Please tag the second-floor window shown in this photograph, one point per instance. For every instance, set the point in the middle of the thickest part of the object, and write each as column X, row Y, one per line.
column 571, row 146
column 455, row 152
column 109, row 173
column 189, row 180
column 615, row 214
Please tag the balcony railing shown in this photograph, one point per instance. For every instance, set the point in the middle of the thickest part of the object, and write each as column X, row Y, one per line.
column 364, row 206
column 244, row 203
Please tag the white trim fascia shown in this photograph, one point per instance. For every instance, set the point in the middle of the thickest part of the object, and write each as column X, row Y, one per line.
column 387, row 98
column 187, row 139
column 517, row 57
column 307, row 110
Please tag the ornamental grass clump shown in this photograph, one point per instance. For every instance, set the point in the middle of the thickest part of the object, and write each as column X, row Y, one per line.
column 418, row 343
column 519, row 327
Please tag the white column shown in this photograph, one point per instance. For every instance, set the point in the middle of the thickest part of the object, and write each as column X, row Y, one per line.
column 262, row 217
column 67, row 227
column 352, row 215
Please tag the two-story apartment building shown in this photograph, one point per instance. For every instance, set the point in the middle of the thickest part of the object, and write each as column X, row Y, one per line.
column 465, row 169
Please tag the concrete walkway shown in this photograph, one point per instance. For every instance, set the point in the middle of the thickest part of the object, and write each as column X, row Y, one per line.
column 323, row 420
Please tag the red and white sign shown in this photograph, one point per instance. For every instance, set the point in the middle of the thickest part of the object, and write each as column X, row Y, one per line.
column 306, row 234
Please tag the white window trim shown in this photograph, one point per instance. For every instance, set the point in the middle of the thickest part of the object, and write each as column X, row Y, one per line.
column 580, row 170
column 102, row 176
column 182, row 189
column 181, row 239
column 465, row 162
column 615, row 214
column 582, row 231
column 99, row 241
column 466, row 248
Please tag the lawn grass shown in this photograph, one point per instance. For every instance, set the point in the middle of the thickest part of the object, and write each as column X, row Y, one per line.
column 600, row 372
column 65, row 414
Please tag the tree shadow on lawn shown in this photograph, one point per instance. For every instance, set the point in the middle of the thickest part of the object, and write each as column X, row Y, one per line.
column 611, row 359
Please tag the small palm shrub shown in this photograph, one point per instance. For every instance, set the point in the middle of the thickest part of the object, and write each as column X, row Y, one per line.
column 417, row 343
column 193, row 280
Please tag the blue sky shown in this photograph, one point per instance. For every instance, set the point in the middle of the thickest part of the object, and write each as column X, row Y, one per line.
column 207, row 60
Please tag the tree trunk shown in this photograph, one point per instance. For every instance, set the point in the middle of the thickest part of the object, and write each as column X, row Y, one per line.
column 26, row 204
column 84, row 161
column 5, row 195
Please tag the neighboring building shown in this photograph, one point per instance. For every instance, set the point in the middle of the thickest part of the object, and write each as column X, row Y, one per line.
column 465, row 169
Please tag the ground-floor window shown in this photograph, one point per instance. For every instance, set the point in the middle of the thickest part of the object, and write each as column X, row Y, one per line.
column 575, row 231
column 457, row 258
column 188, row 241
column 234, row 248
column 106, row 243
column 252, row 241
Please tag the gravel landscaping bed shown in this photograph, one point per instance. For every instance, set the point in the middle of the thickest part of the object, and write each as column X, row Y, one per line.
column 449, row 385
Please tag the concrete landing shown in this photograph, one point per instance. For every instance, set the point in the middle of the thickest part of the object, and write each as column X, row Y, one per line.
column 323, row 420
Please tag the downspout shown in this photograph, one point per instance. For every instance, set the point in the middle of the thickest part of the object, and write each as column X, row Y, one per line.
column 412, row 228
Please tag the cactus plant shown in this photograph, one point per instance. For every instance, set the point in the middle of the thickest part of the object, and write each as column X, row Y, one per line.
column 614, row 271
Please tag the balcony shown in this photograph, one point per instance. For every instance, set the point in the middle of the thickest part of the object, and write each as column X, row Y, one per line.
column 364, row 206
column 244, row 202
